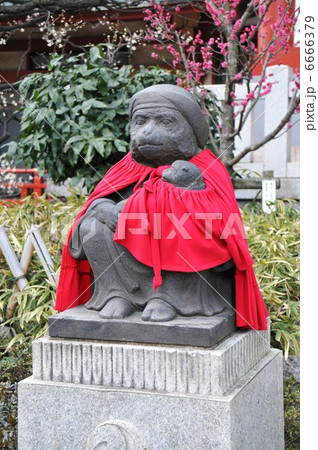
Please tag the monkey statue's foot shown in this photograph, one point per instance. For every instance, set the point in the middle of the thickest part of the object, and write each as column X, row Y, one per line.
column 117, row 308
column 158, row 310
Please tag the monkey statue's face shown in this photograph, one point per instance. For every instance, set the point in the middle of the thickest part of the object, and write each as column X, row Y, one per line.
column 161, row 136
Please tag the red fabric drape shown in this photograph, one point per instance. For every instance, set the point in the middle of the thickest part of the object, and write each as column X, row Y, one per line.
column 184, row 248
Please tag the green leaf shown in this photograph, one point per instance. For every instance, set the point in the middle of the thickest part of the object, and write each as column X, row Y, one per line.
column 98, row 104
column 89, row 154
column 50, row 116
column 89, row 85
column 99, row 146
column 114, row 104
column 121, row 145
column 12, row 147
column 94, row 53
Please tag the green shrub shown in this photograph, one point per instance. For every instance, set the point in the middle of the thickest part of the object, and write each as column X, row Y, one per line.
column 75, row 119
column 274, row 244
column 13, row 368
column 292, row 413
column 35, row 304
column 273, row 240
column 8, row 416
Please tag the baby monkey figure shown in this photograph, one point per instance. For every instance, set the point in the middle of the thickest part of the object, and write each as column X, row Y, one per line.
column 185, row 175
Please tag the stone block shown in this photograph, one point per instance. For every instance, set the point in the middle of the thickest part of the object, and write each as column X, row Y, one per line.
column 81, row 323
column 59, row 415
column 158, row 368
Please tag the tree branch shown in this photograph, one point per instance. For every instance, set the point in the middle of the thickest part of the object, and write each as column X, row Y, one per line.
column 12, row 12
column 26, row 24
column 5, row 133
column 251, row 148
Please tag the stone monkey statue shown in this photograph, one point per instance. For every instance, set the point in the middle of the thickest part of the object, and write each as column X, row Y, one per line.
column 167, row 129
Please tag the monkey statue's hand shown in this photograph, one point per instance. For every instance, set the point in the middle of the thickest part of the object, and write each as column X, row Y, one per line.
column 185, row 175
column 106, row 211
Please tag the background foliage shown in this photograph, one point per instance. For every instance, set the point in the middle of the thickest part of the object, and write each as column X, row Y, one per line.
column 273, row 241
column 292, row 413
column 75, row 120
column 75, row 117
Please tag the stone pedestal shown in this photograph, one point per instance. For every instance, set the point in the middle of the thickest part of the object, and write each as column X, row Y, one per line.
column 109, row 395
column 202, row 331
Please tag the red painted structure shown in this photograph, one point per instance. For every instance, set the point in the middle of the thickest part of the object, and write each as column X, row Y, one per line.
column 36, row 186
column 265, row 34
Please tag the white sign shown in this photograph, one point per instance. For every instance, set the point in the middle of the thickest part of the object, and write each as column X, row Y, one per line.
column 268, row 195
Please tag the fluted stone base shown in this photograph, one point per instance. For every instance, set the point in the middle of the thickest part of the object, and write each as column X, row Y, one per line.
column 106, row 395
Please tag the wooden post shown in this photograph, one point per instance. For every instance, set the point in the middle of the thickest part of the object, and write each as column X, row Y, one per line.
column 43, row 254
column 24, row 264
column 19, row 269
column 12, row 260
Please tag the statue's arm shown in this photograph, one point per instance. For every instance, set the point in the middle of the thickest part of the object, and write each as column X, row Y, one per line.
column 105, row 211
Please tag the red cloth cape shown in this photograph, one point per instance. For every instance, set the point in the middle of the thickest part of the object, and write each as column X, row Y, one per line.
column 175, row 250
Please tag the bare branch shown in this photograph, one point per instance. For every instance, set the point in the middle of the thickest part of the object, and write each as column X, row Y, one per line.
column 6, row 86
column 251, row 148
column 27, row 24
column 246, row 111
column 5, row 123
column 12, row 14
column 248, row 11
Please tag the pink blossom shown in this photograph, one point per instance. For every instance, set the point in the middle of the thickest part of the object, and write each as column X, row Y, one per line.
column 265, row 92
column 251, row 95
column 261, row 9
column 243, row 38
column 154, row 55
column 238, row 76
column 237, row 25
column 224, row 64
column 179, row 81
column 207, row 65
